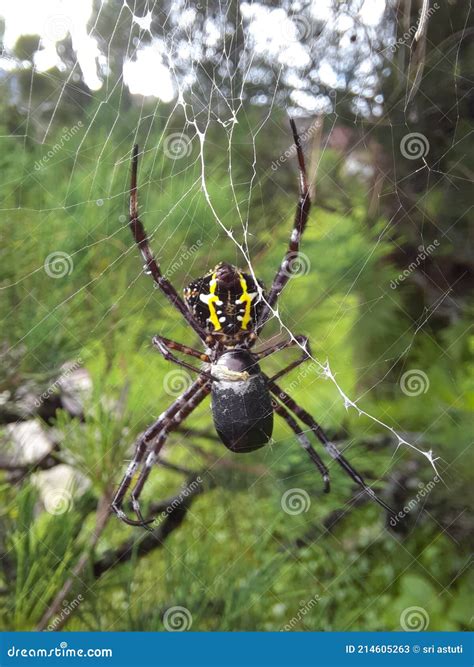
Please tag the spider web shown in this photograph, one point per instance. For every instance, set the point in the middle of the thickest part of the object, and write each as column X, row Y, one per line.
column 211, row 64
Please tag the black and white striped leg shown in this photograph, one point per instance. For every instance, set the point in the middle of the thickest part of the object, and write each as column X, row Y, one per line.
column 171, row 425
column 151, row 265
column 164, row 345
column 304, row 442
column 303, row 341
column 306, row 354
column 330, row 447
column 288, row 265
column 142, row 445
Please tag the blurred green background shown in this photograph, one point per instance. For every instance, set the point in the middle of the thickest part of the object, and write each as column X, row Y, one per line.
column 80, row 379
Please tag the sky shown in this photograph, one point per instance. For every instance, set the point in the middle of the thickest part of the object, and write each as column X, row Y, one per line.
column 270, row 30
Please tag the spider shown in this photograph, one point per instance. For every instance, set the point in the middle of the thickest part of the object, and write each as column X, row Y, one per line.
column 228, row 309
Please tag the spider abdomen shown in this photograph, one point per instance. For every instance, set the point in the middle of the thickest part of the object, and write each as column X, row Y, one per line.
column 241, row 404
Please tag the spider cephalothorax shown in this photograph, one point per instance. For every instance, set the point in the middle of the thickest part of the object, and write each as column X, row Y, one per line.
column 228, row 309
column 226, row 302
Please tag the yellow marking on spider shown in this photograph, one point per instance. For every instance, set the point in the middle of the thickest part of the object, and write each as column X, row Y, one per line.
column 210, row 299
column 247, row 299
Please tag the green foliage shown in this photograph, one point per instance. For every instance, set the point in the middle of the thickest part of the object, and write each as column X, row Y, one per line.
column 238, row 562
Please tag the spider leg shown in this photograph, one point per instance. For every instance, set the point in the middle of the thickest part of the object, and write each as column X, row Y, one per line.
column 304, row 442
column 306, row 354
column 142, row 445
column 151, row 265
column 171, row 425
column 173, row 345
column 164, row 345
column 278, row 347
column 286, row 269
column 330, row 447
